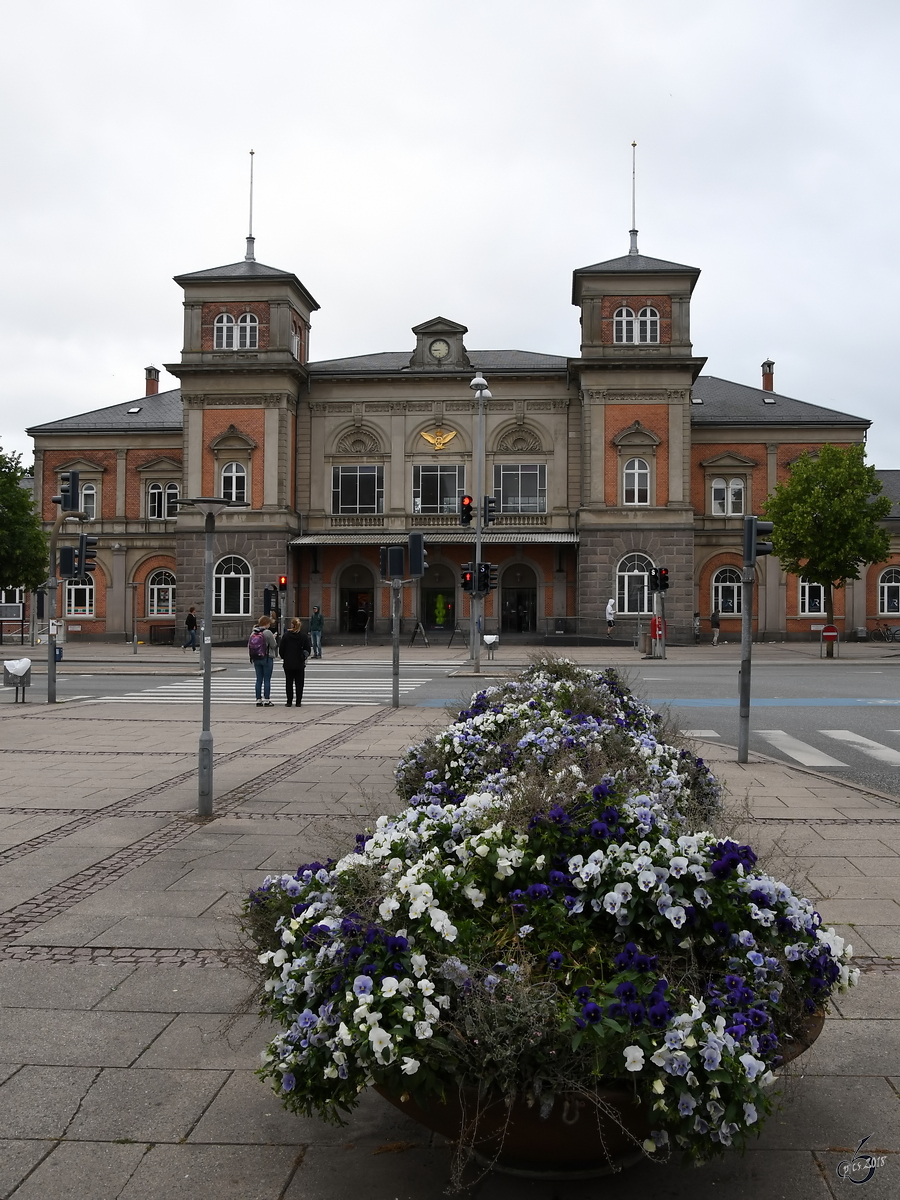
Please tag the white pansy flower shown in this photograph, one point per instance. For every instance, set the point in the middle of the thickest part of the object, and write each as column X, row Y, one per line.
column 389, row 986
column 634, row 1058
column 410, row 1066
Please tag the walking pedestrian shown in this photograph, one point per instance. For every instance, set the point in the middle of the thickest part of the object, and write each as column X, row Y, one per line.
column 295, row 649
column 315, row 632
column 696, row 628
column 263, row 650
column 610, row 616
column 190, row 630
column 715, row 621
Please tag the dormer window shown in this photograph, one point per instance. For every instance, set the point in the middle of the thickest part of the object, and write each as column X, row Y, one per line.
column 648, row 325
column 225, row 332
column 248, row 332
column 624, row 325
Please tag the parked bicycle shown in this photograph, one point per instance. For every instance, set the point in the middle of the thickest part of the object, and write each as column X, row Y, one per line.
column 886, row 633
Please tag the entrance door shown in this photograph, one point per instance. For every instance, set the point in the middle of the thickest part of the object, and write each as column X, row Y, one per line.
column 519, row 610
column 357, row 609
column 439, row 606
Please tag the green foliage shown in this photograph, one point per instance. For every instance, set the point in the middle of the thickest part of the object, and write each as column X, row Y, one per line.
column 23, row 543
column 827, row 516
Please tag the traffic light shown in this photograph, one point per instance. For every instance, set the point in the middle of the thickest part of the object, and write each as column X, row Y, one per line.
column 663, row 579
column 494, row 576
column 753, row 548
column 483, row 575
column 418, row 559
column 68, row 491
column 84, row 563
column 282, row 583
column 654, row 579
column 466, row 510
column 467, row 577
column 269, row 599
column 489, row 510
column 67, row 563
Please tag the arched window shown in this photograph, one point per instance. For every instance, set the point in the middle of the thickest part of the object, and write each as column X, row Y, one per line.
column 889, row 592
column 636, row 481
column 161, row 594
column 648, row 325
column 632, row 590
column 171, row 501
column 231, row 592
column 728, row 497
column 624, row 325
column 234, row 482
column 12, row 595
column 248, row 332
column 155, row 502
column 224, row 332
column 89, row 501
column 812, row 598
column 80, row 597
column 726, row 594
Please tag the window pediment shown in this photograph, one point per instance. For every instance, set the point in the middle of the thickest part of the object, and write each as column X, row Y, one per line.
column 729, row 461
column 232, row 440
column 636, row 435
column 161, row 466
column 81, row 464
column 359, row 441
column 519, row 440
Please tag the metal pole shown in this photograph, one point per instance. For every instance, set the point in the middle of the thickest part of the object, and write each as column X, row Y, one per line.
column 134, row 588
column 205, row 756
column 52, row 586
column 477, row 597
column 662, row 628
column 746, row 648
column 396, row 608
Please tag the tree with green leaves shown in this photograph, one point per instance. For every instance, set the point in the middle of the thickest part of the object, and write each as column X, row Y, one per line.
column 827, row 518
column 24, row 556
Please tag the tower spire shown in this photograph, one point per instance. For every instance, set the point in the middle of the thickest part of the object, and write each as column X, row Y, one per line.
column 633, row 249
column 250, row 256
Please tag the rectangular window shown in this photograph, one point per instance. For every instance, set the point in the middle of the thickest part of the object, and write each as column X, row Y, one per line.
column 521, row 488
column 357, row 489
column 79, row 598
column 812, row 598
column 437, row 487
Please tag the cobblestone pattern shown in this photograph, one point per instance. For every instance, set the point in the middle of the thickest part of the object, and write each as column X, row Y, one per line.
column 84, row 818
column 54, row 901
column 122, row 956
column 824, row 820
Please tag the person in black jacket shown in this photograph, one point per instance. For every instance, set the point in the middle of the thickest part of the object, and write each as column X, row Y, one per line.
column 294, row 650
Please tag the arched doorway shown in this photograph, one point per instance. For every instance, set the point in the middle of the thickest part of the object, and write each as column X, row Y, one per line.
column 518, row 600
column 438, row 598
column 357, row 600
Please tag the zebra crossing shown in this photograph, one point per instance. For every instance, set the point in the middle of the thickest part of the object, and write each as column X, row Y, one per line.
column 239, row 689
column 808, row 755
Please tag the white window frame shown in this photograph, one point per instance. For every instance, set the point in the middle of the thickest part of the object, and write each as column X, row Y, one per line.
column 89, row 500
column 233, row 473
column 807, row 596
column 623, row 327
column 12, row 595
column 648, row 325
column 172, row 496
column 224, row 332
column 445, row 504
column 85, row 609
column 636, row 469
column 223, row 595
column 633, row 576
column 155, row 502
column 506, row 473
column 727, row 496
column 889, row 592
column 727, row 591
column 247, row 332
column 161, row 593
column 346, row 471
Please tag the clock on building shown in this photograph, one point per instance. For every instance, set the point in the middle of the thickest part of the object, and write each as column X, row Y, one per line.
column 439, row 349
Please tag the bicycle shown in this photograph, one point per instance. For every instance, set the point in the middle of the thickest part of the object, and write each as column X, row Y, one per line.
column 885, row 633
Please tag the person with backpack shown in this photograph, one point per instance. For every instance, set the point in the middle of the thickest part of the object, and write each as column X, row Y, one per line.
column 263, row 650
column 294, row 650
column 316, row 623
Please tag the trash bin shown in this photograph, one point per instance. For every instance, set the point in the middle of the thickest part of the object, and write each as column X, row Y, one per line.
column 58, row 653
column 17, row 674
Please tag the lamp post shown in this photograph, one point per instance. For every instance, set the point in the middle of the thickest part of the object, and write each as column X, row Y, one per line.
column 480, row 388
column 210, row 507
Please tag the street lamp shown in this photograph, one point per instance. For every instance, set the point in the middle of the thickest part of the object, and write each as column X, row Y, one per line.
column 210, row 507
column 476, row 604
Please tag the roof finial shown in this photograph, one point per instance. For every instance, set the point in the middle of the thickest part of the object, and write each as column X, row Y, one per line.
column 633, row 249
column 250, row 256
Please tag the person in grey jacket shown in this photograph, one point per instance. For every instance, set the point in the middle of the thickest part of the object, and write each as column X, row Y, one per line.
column 316, row 621
column 263, row 651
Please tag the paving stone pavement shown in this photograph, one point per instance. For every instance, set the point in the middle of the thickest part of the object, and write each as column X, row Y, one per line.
column 126, row 1053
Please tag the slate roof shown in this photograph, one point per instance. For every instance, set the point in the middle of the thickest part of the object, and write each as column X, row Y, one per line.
column 160, row 412
column 247, row 270
column 392, row 362
column 726, row 403
column 890, row 486
column 635, row 262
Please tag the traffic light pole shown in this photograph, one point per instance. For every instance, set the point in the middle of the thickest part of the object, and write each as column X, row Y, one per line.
column 477, row 598
column 396, row 612
column 52, row 590
column 747, row 576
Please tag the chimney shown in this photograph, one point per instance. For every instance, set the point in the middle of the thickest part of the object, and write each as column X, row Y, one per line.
column 152, row 385
column 768, row 370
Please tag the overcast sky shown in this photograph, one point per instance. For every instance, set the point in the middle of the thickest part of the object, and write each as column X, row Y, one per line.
column 416, row 159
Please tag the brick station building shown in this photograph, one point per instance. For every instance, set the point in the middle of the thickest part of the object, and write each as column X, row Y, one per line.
column 604, row 464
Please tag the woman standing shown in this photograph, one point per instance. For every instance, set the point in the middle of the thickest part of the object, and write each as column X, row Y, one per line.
column 295, row 649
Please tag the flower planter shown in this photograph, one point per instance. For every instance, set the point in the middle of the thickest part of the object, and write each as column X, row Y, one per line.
column 580, row 1138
